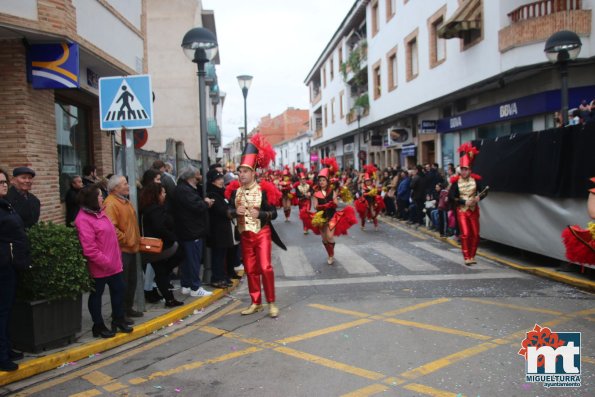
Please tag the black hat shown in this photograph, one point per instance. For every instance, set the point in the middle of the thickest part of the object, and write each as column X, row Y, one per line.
column 23, row 170
column 213, row 175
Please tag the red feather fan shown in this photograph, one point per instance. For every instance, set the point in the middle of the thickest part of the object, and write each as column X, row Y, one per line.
column 233, row 186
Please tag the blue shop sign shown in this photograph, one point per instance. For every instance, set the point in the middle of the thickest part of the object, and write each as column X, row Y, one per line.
column 544, row 102
column 408, row 151
column 428, row 126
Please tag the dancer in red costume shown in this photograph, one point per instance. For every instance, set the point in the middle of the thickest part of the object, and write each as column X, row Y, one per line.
column 250, row 204
column 303, row 192
column 370, row 203
column 286, row 186
column 328, row 221
column 579, row 242
column 466, row 191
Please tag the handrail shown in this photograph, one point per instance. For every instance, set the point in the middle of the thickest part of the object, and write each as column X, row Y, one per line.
column 542, row 8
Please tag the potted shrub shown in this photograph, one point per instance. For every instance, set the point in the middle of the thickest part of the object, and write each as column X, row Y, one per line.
column 47, row 311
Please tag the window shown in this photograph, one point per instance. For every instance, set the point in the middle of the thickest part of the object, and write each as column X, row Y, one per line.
column 332, row 68
column 323, row 77
column 340, row 54
column 325, row 116
column 391, row 6
column 374, row 18
column 332, row 110
column 437, row 44
column 391, row 66
column 377, row 79
column 412, row 55
column 72, row 137
column 341, row 114
column 471, row 37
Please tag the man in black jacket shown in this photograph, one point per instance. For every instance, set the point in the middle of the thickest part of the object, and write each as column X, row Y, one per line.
column 72, row 207
column 191, row 215
column 20, row 197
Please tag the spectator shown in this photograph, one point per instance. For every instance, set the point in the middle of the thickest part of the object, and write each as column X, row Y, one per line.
column 100, row 246
column 220, row 238
column 584, row 111
column 157, row 222
column 121, row 212
column 403, row 195
column 167, row 180
column 20, row 197
column 192, row 227
column 169, row 172
column 14, row 253
column 418, row 195
column 90, row 175
column 72, row 207
column 443, row 206
column 150, row 176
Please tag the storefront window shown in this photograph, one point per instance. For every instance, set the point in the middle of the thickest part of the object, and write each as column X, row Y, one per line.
column 72, row 137
column 448, row 149
column 506, row 128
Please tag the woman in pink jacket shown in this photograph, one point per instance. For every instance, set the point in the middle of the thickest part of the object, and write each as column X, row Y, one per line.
column 100, row 246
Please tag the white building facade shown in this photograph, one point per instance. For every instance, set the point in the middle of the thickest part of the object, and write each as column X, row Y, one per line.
column 293, row 151
column 430, row 75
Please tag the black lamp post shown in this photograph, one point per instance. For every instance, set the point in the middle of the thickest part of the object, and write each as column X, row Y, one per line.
column 359, row 112
column 245, row 81
column 200, row 46
column 561, row 47
column 242, row 135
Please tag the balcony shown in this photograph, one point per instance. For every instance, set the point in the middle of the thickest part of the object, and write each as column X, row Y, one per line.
column 535, row 22
column 213, row 131
column 211, row 74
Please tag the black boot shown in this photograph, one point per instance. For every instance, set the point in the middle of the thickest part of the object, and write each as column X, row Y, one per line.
column 8, row 366
column 173, row 303
column 152, row 296
column 100, row 330
column 120, row 325
column 15, row 355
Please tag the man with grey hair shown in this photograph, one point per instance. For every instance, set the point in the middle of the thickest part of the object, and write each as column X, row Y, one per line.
column 191, row 225
column 121, row 212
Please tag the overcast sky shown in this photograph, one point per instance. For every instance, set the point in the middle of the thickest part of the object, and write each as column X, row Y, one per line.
column 277, row 42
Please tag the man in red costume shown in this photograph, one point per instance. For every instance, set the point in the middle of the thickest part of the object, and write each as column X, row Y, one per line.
column 250, row 204
column 466, row 192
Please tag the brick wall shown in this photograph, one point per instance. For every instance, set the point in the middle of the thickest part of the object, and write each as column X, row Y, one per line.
column 28, row 128
column 541, row 28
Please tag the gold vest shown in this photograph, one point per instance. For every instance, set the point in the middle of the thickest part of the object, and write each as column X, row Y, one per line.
column 303, row 188
column 467, row 190
column 249, row 197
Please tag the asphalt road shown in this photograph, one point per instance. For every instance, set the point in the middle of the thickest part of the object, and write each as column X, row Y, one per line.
column 398, row 314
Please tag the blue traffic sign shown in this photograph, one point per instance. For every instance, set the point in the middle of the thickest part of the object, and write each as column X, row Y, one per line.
column 125, row 102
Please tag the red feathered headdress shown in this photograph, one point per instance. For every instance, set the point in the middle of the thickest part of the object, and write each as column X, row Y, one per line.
column 467, row 152
column 331, row 163
column 370, row 171
column 258, row 153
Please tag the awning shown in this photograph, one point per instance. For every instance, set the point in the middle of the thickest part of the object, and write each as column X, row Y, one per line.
column 467, row 17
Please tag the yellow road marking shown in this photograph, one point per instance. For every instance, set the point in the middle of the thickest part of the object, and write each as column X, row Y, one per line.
column 438, row 328
column 114, row 387
column 515, row 307
column 122, row 356
column 448, row 360
column 416, row 307
column 364, row 373
column 232, row 335
column 98, row 378
column 88, row 393
column 393, row 381
column 197, row 364
column 337, row 310
column 367, row 391
column 430, row 391
column 324, row 331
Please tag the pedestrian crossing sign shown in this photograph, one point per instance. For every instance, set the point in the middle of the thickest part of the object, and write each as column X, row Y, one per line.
column 125, row 101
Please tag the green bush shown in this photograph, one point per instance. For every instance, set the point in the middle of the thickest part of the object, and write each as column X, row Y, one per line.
column 59, row 269
column 363, row 101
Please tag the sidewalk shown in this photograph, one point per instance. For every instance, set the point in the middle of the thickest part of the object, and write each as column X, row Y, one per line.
column 528, row 262
column 155, row 317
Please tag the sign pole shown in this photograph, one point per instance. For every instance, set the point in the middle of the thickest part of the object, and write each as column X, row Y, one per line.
column 139, row 296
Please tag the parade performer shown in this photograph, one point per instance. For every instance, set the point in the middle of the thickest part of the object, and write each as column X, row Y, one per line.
column 303, row 192
column 327, row 221
column 466, row 191
column 250, row 204
column 369, row 203
column 285, row 186
column 579, row 242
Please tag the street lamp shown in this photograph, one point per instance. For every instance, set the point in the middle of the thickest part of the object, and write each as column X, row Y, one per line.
column 245, row 81
column 242, row 133
column 561, row 47
column 200, row 46
column 359, row 112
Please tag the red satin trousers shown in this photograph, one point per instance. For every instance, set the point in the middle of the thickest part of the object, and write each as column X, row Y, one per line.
column 256, row 252
column 469, row 231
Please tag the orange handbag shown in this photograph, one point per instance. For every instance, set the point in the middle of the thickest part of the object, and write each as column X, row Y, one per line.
column 149, row 245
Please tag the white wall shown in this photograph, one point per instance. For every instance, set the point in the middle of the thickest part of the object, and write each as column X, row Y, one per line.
column 98, row 25
column 20, row 8
column 131, row 10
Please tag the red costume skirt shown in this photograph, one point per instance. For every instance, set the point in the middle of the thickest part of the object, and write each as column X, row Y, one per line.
column 339, row 223
column 361, row 206
column 580, row 245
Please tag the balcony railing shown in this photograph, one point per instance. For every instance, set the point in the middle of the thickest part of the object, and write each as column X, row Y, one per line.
column 543, row 8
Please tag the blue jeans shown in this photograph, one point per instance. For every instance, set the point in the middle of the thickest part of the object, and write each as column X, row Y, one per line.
column 117, row 289
column 7, row 291
column 190, row 277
